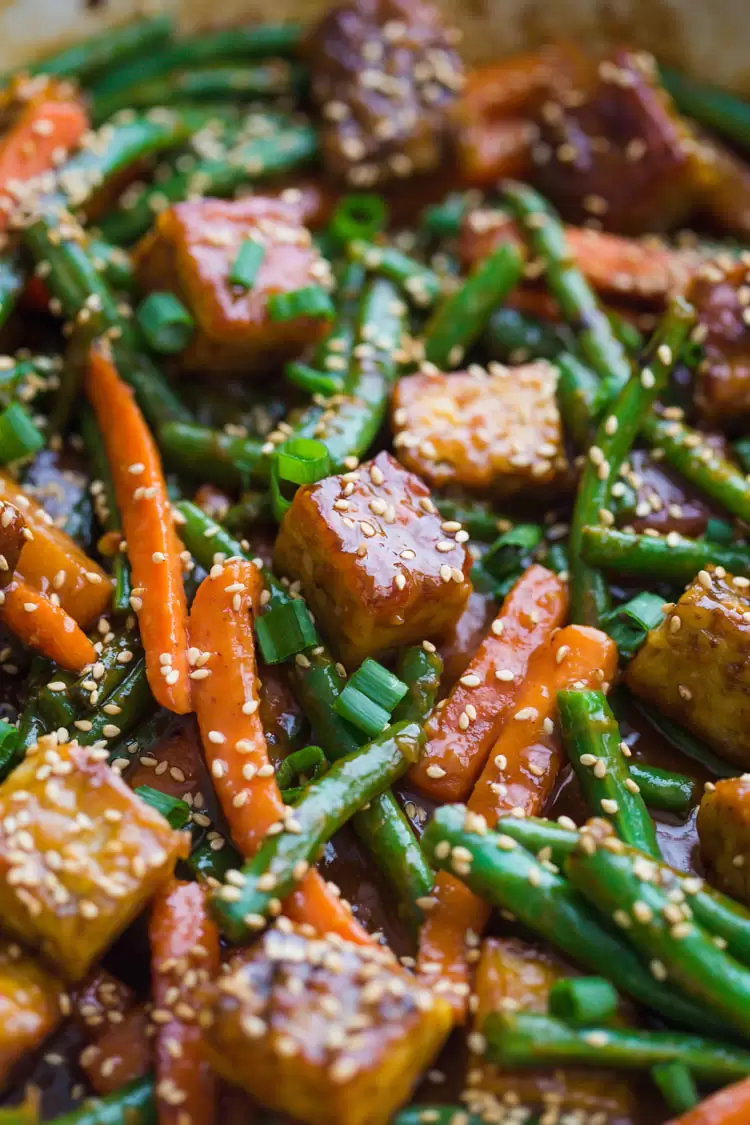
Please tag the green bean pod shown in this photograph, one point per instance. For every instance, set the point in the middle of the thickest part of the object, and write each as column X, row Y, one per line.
column 660, row 558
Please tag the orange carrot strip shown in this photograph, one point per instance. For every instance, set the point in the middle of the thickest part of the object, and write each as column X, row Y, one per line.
column 50, row 119
column 46, row 627
column 730, row 1106
column 636, row 269
column 458, row 741
column 153, row 546
column 520, row 773
column 227, row 709
column 185, row 956
column 55, row 564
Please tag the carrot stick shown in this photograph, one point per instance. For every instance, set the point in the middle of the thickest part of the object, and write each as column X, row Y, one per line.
column 185, row 956
column 54, row 563
column 46, row 627
column 458, row 740
column 493, row 150
column 153, row 546
column 225, row 694
column 50, row 120
column 636, row 269
column 518, row 778
column 730, row 1106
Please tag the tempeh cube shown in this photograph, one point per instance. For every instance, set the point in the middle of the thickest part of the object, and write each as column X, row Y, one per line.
column 375, row 562
column 719, row 293
column 724, row 831
column 32, row 1003
column 80, row 854
column 191, row 252
column 695, row 666
column 329, row 1032
column 493, row 432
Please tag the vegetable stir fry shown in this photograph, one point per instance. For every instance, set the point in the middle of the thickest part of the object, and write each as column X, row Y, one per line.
column 374, row 582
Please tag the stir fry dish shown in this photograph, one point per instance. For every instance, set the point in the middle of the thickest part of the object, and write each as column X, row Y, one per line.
column 374, row 582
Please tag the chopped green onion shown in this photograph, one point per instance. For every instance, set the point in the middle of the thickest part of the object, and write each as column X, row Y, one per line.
column 311, row 380
column 370, row 696
column 298, row 461
column 303, row 460
column 359, row 216
column 247, row 263
column 629, row 623
column 512, row 549
column 556, row 557
column 361, row 711
column 165, row 322
column 10, row 741
column 19, row 437
column 309, row 762
column 719, row 531
column 443, row 220
column 310, row 302
column 583, row 1000
column 379, row 684
column 174, row 810
column 285, row 630
column 676, row 1084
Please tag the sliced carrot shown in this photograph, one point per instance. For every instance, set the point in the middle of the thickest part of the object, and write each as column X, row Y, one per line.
column 458, row 740
column 730, row 1106
column 518, row 778
column 644, row 270
column 185, row 957
column 54, row 563
column 50, row 119
column 46, row 627
column 493, row 150
column 225, row 694
column 153, row 546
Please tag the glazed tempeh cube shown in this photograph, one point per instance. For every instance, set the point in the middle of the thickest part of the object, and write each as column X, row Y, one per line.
column 80, row 854
column 374, row 559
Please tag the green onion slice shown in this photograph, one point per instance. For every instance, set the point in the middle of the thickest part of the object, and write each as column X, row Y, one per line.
column 298, row 461
column 285, row 630
column 312, row 301
column 165, row 322
column 583, row 1000
column 247, row 263
column 629, row 623
column 370, row 696
column 359, row 215
column 361, row 711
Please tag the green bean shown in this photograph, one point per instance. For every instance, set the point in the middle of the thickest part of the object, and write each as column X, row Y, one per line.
column 713, row 107
column 686, row 451
column 438, row 1115
column 98, row 54
column 350, row 422
column 252, row 508
column 383, row 827
column 659, row 558
column 132, row 697
column 115, row 264
column 578, row 390
column 676, row 1085
column 211, row 83
column 420, row 284
column 212, row 455
column 665, row 789
column 111, row 669
column 119, row 146
column 462, row 316
column 621, row 883
column 290, row 146
column 106, row 507
column 535, row 1040
column 210, row 864
column 614, row 439
column 580, row 307
column 255, row 41
column 583, row 1001
column 420, row 669
column 592, row 739
column 511, row 879
column 31, row 724
column 512, row 336
column 283, row 859
column 133, row 1104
